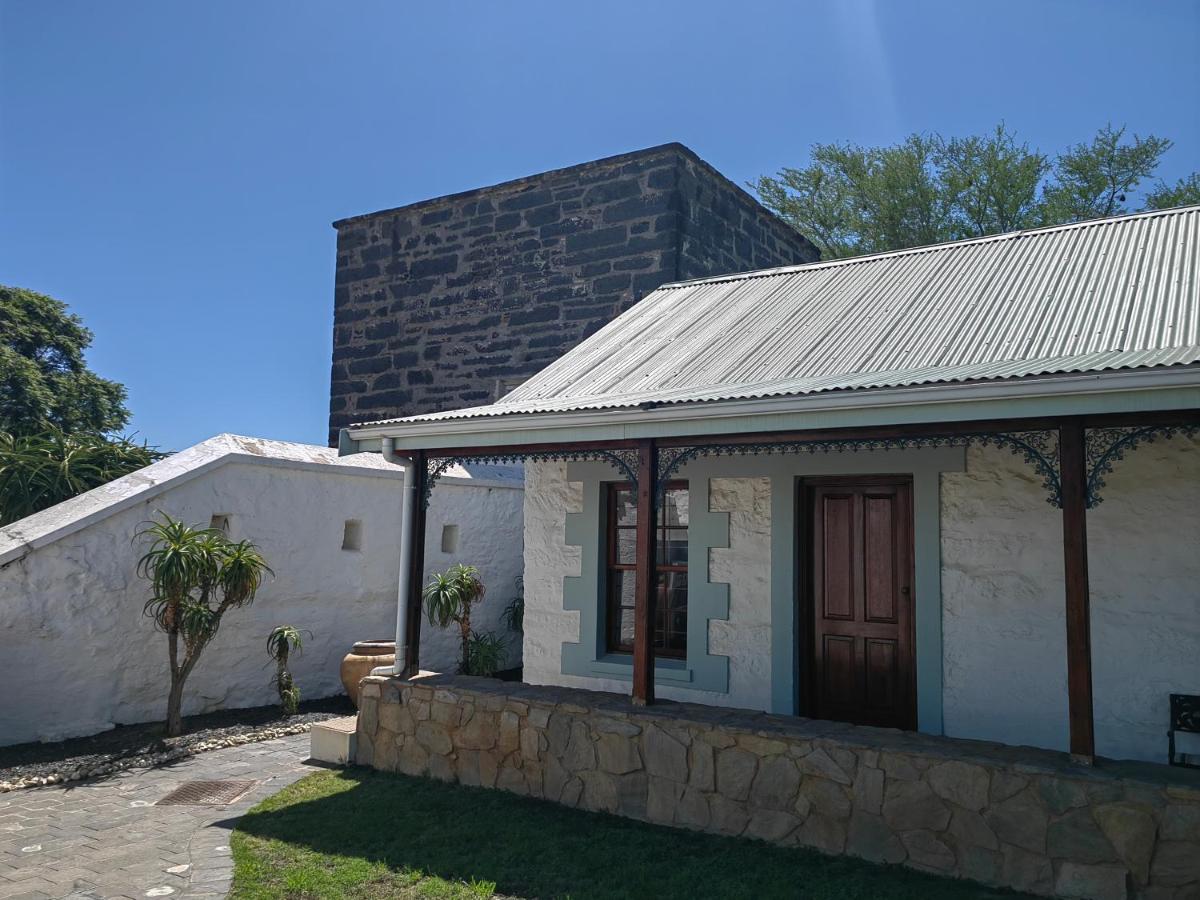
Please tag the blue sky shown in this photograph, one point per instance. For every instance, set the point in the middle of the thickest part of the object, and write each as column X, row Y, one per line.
column 171, row 170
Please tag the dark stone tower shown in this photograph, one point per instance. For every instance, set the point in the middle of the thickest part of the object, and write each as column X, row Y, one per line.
column 451, row 302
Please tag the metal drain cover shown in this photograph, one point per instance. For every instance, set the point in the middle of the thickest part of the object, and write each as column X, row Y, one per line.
column 206, row 793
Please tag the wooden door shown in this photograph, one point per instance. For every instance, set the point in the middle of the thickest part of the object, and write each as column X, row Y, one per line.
column 860, row 601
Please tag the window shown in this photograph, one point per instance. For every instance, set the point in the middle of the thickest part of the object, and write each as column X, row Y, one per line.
column 352, row 535
column 449, row 538
column 219, row 522
column 670, row 625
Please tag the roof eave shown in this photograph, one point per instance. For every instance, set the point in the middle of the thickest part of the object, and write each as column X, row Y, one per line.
column 1118, row 391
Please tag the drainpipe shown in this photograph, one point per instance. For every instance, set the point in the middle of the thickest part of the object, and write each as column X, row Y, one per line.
column 402, row 586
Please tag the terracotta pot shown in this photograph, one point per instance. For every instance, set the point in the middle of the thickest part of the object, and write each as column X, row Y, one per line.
column 362, row 658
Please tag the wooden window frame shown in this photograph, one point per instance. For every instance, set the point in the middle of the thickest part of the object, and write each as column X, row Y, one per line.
column 612, row 618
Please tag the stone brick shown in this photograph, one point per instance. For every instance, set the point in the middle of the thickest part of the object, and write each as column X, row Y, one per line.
column 1175, row 863
column 447, row 265
column 1020, row 820
column 663, row 799
column 1130, row 828
column 702, row 771
column 617, row 755
column 868, row 790
column 665, row 756
column 1026, row 871
column 579, row 755
column 909, row 805
column 961, row 783
column 821, row 764
column 727, row 816
column 771, row 825
column 1076, row 836
column 1091, row 882
column 735, row 773
column 823, row 833
column 869, row 838
column 775, row 784
column 826, row 797
column 435, row 738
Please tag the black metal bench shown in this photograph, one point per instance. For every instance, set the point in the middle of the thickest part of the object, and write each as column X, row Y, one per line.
column 1185, row 719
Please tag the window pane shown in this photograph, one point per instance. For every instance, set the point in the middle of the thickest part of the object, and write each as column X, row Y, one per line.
column 625, row 634
column 626, row 506
column 674, row 547
column 627, row 546
column 675, row 507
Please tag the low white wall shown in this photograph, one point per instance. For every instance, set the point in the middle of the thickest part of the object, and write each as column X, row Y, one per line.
column 745, row 566
column 1004, row 631
column 77, row 656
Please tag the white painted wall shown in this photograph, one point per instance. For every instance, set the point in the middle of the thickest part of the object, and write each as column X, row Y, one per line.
column 1003, row 628
column 1003, row 596
column 744, row 565
column 77, row 656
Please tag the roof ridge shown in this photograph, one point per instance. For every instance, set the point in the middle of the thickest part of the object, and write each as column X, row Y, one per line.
column 928, row 248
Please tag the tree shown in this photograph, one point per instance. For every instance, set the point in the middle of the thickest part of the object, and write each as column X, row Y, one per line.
column 449, row 597
column 40, row 470
column 1184, row 192
column 1095, row 180
column 44, row 382
column 928, row 189
column 196, row 576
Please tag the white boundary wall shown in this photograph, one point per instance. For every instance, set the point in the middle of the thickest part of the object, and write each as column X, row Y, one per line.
column 77, row 656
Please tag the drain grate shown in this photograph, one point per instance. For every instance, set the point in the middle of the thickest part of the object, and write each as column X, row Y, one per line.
column 206, row 793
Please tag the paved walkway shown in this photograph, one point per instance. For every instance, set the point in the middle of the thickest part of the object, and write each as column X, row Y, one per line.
column 107, row 839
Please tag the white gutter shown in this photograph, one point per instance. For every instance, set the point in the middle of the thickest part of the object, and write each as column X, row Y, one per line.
column 880, row 398
column 402, row 585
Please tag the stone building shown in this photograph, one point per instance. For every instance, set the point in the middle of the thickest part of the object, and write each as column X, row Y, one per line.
column 453, row 301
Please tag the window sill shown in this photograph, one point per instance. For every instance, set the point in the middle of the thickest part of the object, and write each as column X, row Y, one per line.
column 620, row 667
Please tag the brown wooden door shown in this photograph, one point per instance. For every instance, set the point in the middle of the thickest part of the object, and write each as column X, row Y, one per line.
column 860, row 601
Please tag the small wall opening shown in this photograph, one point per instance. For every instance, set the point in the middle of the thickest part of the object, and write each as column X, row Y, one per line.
column 449, row 538
column 352, row 534
column 219, row 522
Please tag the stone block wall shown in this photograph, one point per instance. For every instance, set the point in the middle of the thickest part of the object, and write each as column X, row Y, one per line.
column 1004, row 816
column 453, row 301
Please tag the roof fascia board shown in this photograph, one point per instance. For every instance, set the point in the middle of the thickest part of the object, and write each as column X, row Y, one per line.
column 1057, row 396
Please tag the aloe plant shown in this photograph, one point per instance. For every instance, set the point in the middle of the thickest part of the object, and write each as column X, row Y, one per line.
column 196, row 576
column 449, row 597
column 283, row 641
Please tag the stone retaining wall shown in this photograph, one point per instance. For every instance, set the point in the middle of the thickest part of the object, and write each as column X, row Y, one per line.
column 1006, row 816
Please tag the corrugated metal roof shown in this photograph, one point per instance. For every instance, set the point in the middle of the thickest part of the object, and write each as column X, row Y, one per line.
column 1093, row 296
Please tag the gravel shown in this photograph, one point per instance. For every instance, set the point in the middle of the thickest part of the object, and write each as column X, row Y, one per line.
column 141, row 746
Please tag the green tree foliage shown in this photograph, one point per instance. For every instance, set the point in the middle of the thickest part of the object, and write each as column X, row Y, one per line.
column 1184, row 192
column 39, row 470
column 927, row 189
column 196, row 576
column 44, row 382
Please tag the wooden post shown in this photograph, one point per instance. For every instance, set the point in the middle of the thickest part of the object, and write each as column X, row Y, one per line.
column 645, row 579
column 416, row 568
column 1073, row 465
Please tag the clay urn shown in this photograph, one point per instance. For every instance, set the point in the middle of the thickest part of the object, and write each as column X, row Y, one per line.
column 362, row 658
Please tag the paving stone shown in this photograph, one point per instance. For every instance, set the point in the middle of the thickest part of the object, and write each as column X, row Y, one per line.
column 96, row 846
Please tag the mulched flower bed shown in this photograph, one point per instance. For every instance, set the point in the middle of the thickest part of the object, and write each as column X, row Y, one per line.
column 139, row 746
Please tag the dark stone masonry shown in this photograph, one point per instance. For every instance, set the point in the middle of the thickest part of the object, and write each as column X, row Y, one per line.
column 452, row 302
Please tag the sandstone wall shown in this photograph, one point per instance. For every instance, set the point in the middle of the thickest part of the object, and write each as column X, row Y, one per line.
column 1025, row 819
column 450, row 302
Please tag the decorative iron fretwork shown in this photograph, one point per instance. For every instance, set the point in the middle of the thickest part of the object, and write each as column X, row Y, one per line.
column 1185, row 718
column 1107, row 446
column 1038, row 448
column 624, row 460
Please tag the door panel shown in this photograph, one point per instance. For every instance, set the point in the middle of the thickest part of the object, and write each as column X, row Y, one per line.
column 860, row 610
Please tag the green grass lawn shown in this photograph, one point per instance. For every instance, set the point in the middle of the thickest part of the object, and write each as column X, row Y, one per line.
column 360, row 833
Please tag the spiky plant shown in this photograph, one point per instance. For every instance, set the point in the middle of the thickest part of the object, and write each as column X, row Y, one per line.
column 485, row 653
column 40, row 470
column 284, row 641
column 449, row 597
column 196, row 576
